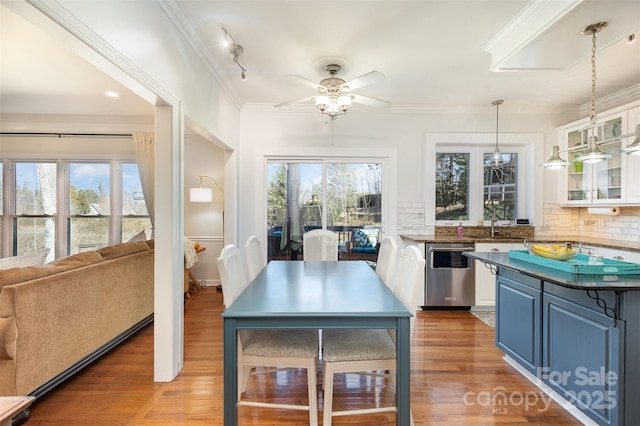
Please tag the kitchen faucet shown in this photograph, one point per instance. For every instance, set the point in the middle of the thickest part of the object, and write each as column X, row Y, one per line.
column 493, row 222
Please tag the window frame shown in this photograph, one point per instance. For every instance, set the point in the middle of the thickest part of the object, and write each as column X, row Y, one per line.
column 529, row 201
column 63, row 215
column 387, row 157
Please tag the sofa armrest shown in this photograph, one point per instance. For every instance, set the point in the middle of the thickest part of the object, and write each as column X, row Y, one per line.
column 8, row 337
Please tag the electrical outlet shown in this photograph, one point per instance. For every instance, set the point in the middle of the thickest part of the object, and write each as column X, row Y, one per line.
column 601, row 223
column 566, row 223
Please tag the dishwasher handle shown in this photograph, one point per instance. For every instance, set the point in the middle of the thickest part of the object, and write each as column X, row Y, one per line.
column 452, row 249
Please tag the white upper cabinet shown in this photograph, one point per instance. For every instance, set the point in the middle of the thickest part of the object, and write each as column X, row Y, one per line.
column 608, row 182
column 632, row 183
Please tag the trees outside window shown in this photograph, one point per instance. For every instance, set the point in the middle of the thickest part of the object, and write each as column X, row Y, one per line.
column 452, row 186
column 463, row 173
column 306, row 195
column 35, row 200
column 71, row 207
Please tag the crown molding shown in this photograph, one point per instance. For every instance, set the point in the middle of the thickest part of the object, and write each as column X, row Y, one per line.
column 614, row 100
column 533, row 21
column 176, row 15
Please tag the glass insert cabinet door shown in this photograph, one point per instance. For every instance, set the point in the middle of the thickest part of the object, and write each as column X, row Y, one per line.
column 597, row 182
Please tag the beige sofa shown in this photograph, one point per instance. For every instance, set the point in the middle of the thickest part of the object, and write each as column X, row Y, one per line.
column 57, row 318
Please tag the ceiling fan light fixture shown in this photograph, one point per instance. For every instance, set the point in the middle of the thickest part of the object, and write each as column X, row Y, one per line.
column 344, row 102
column 322, row 102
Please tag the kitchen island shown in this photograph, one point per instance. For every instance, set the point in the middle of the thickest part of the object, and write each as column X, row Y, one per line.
column 576, row 336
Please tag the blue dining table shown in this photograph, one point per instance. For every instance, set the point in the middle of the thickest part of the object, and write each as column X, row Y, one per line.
column 317, row 295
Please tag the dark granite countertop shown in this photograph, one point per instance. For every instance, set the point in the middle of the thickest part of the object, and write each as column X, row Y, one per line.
column 565, row 279
column 591, row 242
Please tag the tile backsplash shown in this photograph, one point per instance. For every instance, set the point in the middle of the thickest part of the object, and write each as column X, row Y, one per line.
column 577, row 222
column 559, row 223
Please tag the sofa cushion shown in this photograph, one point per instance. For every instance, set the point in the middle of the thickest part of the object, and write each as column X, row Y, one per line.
column 77, row 260
column 18, row 275
column 122, row 249
column 140, row 236
column 32, row 259
column 365, row 237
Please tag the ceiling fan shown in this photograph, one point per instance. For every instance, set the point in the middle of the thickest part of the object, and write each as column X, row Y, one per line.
column 334, row 94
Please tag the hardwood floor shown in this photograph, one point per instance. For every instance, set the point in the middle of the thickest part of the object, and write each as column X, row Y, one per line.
column 457, row 375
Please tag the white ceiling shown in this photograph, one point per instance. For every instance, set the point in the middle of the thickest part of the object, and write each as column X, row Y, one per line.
column 434, row 53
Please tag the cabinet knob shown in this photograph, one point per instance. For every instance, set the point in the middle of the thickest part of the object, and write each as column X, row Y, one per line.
column 495, row 249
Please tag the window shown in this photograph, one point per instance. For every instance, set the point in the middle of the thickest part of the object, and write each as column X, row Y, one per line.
column 71, row 207
column 307, row 195
column 462, row 173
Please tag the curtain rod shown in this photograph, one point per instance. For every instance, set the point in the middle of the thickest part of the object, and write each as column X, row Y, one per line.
column 59, row 135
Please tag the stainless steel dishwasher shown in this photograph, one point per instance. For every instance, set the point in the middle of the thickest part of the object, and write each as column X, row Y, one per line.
column 450, row 281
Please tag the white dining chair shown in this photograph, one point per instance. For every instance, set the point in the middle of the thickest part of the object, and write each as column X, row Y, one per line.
column 268, row 348
column 366, row 351
column 254, row 257
column 386, row 261
column 320, row 244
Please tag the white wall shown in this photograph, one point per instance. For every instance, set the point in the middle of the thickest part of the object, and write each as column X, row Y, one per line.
column 203, row 222
column 264, row 132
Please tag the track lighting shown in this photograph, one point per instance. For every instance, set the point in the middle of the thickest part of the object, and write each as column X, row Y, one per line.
column 235, row 50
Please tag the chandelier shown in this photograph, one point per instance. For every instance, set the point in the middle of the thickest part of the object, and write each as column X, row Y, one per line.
column 593, row 154
column 331, row 100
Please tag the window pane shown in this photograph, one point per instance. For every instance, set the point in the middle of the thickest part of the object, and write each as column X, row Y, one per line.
column 89, row 187
column 35, row 189
column 354, row 194
column 33, row 234
column 452, row 186
column 500, row 187
column 294, row 203
column 87, row 233
column 132, row 195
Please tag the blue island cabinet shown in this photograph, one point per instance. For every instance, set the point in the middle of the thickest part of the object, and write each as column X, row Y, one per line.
column 582, row 343
column 518, row 318
column 583, row 350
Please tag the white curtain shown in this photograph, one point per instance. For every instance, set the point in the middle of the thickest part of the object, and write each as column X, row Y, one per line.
column 144, row 145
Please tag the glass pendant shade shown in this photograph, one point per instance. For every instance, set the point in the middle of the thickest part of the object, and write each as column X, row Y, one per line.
column 322, row 102
column 555, row 162
column 634, row 148
column 496, row 158
column 594, row 154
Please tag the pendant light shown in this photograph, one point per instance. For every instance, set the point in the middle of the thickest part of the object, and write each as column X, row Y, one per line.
column 634, row 148
column 593, row 154
column 496, row 158
column 555, row 161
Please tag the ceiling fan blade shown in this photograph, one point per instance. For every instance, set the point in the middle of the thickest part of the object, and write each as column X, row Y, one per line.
column 306, row 81
column 297, row 101
column 372, row 102
column 363, row 80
